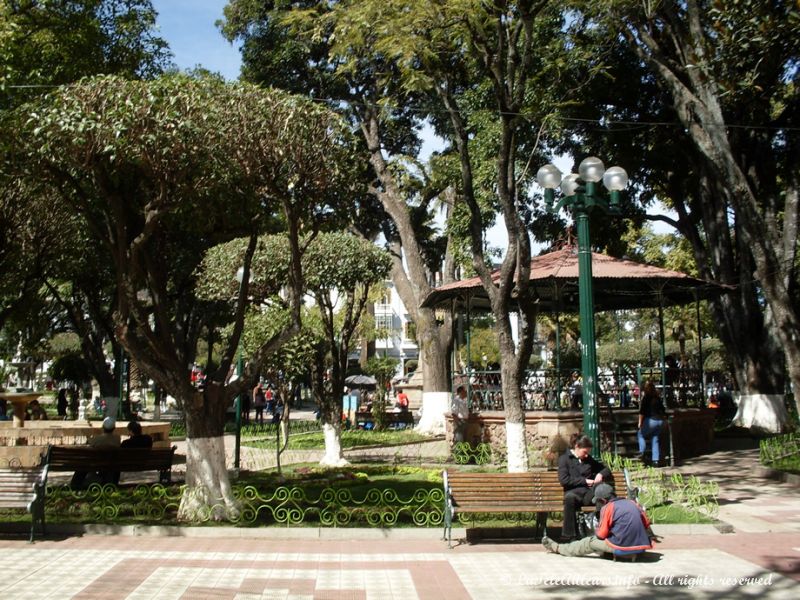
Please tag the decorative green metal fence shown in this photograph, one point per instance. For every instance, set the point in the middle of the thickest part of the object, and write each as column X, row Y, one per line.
column 464, row 453
column 659, row 492
column 328, row 507
column 779, row 448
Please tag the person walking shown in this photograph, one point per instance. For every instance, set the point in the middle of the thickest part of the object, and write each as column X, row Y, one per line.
column 651, row 423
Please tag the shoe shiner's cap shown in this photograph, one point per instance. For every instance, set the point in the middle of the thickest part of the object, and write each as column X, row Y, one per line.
column 109, row 423
column 602, row 491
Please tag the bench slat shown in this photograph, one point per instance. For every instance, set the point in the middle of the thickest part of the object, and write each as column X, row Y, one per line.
column 23, row 489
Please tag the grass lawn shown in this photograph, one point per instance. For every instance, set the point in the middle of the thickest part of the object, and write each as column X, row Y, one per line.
column 352, row 438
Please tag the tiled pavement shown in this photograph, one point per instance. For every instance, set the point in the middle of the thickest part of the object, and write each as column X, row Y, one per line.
column 116, row 567
column 761, row 558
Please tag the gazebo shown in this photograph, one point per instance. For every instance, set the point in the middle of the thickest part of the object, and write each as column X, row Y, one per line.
column 617, row 284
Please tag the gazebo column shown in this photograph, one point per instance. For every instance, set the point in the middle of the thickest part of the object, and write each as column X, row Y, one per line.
column 700, row 359
column 662, row 356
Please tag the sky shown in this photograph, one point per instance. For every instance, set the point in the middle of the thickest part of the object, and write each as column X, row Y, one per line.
column 189, row 29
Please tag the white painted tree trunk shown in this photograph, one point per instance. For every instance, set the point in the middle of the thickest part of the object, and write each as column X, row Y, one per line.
column 112, row 406
column 434, row 407
column 333, row 447
column 208, row 493
column 516, row 447
column 761, row 412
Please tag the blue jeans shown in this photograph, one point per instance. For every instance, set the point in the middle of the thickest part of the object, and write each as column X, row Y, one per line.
column 651, row 430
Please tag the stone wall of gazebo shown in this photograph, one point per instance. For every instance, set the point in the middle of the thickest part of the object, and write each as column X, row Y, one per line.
column 548, row 433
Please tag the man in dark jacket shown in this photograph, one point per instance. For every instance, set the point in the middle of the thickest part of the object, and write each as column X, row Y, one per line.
column 578, row 473
column 623, row 528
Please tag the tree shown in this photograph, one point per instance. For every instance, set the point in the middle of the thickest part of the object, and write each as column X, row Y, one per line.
column 289, row 45
column 340, row 288
column 727, row 73
column 44, row 44
column 162, row 170
column 338, row 270
column 477, row 65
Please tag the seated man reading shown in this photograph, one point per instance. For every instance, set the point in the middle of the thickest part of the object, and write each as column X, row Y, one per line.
column 623, row 528
column 578, row 473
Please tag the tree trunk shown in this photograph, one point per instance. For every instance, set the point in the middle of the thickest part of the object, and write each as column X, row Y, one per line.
column 410, row 274
column 333, row 457
column 516, row 442
column 208, row 493
column 680, row 64
column 434, row 344
column 330, row 412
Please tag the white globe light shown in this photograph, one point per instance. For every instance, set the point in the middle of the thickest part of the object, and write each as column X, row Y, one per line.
column 240, row 274
column 615, row 179
column 570, row 184
column 591, row 169
column 548, row 177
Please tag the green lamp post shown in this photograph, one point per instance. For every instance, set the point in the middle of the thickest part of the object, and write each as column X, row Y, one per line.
column 580, row 194
column 237, row 452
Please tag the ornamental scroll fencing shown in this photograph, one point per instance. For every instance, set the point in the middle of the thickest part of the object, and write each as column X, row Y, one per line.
column 659, row 491
column 464, row 453
column 329, row 507
column 780, row 448
column 345, row 507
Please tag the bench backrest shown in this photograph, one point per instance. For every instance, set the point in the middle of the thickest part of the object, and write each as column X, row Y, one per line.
column 514, row 489
column 16, row 486
column 73, row 458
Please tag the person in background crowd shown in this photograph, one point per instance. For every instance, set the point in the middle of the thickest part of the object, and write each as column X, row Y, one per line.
column 402, row 401
column 259, row 402
column 460, row 410
column 36, row 411
column 62, row 403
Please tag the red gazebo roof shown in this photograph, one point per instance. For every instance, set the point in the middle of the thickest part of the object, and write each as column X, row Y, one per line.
column 616, row 284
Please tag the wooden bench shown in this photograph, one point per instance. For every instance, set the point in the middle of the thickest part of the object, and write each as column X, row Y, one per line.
column 87, row 459
column 391, row 418
column 24, row 489
column 537, row 492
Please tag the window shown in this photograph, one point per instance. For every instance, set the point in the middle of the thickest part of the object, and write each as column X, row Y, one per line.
column 410, row 332
column 383, row 322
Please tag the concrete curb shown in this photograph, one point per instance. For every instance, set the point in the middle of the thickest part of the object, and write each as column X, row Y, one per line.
column 692, row 529
column 267, row 533
column 307, row 533
column 775, row 475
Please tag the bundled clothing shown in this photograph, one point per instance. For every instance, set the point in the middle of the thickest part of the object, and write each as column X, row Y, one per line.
column 623, row 529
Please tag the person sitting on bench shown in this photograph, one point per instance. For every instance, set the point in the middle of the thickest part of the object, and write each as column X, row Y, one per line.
column 107, row 439
column 578, row 473
column 137, row 438
column 623, row 528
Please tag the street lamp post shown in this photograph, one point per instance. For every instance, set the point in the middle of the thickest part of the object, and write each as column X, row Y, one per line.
column 580, row 194
column 237, row 452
